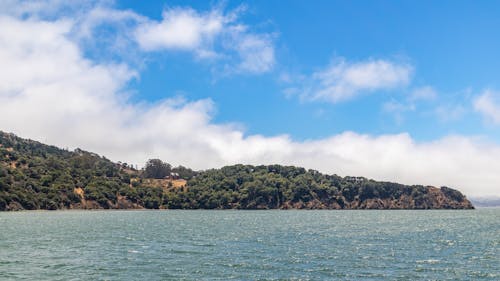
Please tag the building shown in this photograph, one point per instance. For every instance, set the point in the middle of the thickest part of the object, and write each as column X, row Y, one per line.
column 173, row 176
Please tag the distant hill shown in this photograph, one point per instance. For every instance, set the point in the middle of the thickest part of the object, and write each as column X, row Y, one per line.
column 38, row 176
column 486, row 202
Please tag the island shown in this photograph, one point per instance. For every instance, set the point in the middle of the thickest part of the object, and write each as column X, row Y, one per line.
column 37, row 176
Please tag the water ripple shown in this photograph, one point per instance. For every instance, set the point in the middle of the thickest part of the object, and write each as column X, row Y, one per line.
column 250, row 245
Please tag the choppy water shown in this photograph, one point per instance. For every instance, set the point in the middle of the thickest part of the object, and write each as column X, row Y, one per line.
column 250, row 245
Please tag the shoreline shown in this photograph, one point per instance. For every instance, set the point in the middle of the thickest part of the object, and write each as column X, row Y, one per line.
column 238, row 210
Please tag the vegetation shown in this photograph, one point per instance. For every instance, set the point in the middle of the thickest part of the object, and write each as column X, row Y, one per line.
column 38, row 176
column 157, row 169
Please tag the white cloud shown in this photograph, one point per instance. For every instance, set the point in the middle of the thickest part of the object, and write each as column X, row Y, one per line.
column 43, row 8
column 425, row 93
column 488, row 104
column 213, row 35
column 344, row 80
column 397, row 107
column 103, row 15
column 411, row 102
column 256, row 53
column 450, row 112
column 216, row 36
column 50, row 92
column 180, row 29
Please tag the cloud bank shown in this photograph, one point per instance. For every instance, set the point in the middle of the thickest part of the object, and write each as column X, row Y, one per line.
column 51, row 92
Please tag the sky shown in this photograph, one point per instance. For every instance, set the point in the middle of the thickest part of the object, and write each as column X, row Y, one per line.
column 404, row 91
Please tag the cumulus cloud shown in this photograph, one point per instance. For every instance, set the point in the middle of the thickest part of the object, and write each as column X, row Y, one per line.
column 181, row 29
column 51, row 92
column 214, row 35
column 343, row 80
column 488, row 104
column 256, row 53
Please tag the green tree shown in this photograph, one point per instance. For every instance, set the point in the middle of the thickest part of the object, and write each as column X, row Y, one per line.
column 156, row 169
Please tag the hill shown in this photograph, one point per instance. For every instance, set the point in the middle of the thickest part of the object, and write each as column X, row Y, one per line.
column 38, row 176
column 486, row 202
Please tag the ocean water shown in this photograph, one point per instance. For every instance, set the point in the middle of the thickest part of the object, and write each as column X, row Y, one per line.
column 250, row 245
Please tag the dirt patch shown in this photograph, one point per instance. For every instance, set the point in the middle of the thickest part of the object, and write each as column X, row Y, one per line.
column 178, row 183
column 164, row 183
column 79, row 191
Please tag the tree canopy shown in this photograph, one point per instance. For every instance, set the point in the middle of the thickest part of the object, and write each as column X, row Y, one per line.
column 157, row 169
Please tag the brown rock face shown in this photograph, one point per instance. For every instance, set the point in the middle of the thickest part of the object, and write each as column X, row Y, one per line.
column 427, row 198
column 431, row 198
column 14, row 206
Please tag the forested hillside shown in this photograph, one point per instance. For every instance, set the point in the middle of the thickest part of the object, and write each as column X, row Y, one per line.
column 38, row 176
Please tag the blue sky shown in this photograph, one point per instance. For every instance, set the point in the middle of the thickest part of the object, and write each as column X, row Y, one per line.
column 451, row 45
column 403, row 91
